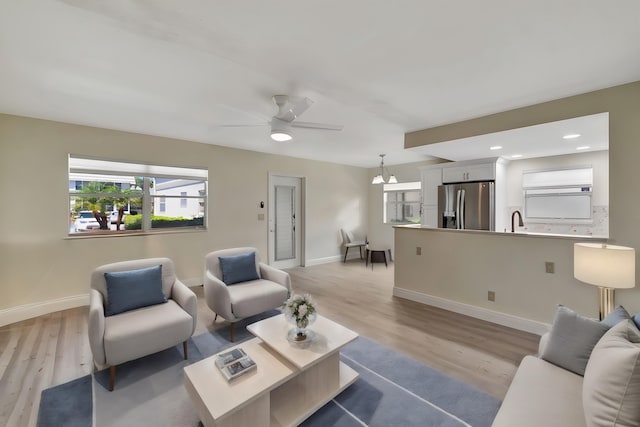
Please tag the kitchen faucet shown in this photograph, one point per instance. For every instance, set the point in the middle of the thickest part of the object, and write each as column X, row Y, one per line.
column 520, row 223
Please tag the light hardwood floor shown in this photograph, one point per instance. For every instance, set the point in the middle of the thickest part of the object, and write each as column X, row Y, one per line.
column 53, row 349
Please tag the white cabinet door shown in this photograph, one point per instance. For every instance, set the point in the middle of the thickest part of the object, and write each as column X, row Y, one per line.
column 481, row 172
column 454, row 174
column 431, row 179
column 430, row 216
column 474, row 172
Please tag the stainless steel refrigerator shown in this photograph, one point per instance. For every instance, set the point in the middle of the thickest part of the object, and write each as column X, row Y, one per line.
column 467, row 206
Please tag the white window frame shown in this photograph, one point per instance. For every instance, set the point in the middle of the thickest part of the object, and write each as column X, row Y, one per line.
column 108, row 170
column 558, row 196
column 403, row 187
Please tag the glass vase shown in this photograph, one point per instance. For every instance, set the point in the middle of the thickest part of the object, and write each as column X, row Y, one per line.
column 300, row 332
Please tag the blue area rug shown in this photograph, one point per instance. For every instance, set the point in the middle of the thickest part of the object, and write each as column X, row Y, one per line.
column 392, row 390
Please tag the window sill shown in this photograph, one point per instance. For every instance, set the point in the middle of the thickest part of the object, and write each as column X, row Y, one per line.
column 123, row 233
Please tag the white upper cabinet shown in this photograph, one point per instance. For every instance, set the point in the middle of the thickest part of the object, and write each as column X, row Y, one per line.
column 469, row 172
column 431, row 179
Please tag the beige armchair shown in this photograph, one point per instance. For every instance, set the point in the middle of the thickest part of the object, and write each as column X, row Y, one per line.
column 240, row 300
column 348, row 241
column 138, row 332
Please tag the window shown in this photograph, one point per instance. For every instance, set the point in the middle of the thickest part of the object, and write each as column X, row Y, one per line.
column 558, row 196
column 402, row 203
column 108, row 197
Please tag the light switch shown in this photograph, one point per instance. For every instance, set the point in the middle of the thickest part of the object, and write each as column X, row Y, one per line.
column 260, row 217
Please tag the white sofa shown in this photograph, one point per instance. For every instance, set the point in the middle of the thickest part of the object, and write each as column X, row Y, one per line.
column 542, row 394
column 608, row 395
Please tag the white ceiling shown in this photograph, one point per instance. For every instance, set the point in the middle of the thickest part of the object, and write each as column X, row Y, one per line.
column 380, row 68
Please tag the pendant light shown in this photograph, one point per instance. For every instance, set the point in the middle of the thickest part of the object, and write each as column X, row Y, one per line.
column 380, row 178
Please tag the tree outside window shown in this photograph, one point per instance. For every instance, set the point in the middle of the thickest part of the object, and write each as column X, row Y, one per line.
column 107, row 201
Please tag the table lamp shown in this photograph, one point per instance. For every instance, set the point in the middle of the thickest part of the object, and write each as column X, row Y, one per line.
column 607, row 266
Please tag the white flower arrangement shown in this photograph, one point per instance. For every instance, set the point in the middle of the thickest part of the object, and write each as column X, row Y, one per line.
column 300, row 310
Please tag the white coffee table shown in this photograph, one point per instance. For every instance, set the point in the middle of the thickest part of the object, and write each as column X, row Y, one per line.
column 289, row 385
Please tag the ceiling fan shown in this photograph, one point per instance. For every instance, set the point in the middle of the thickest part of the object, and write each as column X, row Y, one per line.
column 289, row 109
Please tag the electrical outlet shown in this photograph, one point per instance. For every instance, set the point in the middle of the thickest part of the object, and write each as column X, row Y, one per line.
column 491, row 296
column 418, row 250
column 550, row 267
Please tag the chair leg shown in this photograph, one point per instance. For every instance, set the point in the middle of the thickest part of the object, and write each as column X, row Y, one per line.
column 112, row 377
column 233, row 332
column 215, row 318
column 184, row 348
column 346, row 251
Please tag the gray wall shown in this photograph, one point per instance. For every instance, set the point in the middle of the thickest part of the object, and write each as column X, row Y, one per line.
column 39, row 263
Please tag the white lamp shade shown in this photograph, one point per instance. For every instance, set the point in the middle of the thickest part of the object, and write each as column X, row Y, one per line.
column 602, row 265
column 378, row 179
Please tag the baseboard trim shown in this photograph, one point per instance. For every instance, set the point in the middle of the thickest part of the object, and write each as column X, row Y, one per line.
column 28, row 311
column 497, row 317
column 319, row 261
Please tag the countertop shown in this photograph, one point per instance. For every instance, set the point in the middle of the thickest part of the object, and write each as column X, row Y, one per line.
column 500, row 233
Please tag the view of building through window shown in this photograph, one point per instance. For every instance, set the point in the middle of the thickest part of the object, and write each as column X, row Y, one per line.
column 103, row 199
column 402, row 203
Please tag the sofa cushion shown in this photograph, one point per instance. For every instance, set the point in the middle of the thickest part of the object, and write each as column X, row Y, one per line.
column 572, row 339
column 128, row 290
column 238, row 268
column 144, row 331
column 253, row 297
column 611, row 389
column 616, row 316
column 542, row 394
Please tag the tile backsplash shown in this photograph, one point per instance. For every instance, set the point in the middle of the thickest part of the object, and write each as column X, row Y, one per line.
column 598, row 228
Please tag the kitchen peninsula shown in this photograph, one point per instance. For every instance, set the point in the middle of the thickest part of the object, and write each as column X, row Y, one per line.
column 456, row 270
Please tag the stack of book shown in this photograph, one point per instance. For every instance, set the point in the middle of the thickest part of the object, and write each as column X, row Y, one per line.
column 234, row 363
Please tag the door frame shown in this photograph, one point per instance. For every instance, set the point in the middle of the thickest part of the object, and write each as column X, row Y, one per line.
column 302, row 214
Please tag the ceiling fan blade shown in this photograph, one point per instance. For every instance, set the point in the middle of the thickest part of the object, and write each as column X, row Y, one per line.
column 241, row 125
column 310, row 125
column 291, row 108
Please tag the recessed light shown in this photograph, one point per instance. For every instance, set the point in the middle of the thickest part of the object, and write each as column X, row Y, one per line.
column 496, row 147
column 583, row 147
column 516, row 156
column 571, row 136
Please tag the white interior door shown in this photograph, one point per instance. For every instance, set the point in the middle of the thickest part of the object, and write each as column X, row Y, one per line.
column 285, row 221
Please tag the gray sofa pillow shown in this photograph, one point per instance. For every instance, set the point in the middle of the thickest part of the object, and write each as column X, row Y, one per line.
column 572, row 339
column 611, row 387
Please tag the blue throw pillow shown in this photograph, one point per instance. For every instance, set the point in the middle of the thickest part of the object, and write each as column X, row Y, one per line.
column 616, row 316
column 238, row 268
column 636, row 320
column 128, row 290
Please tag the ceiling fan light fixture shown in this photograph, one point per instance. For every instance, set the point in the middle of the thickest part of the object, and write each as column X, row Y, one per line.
column 280, row 136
